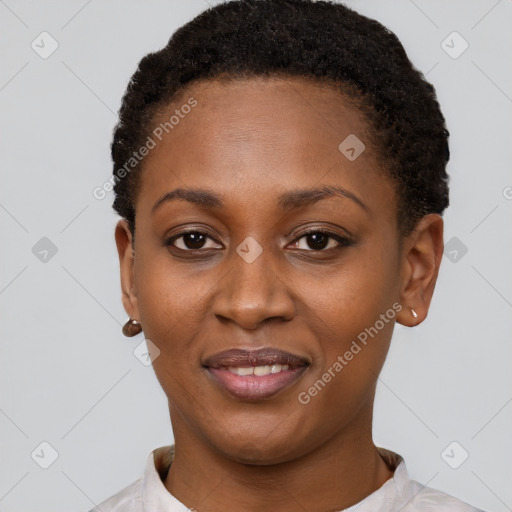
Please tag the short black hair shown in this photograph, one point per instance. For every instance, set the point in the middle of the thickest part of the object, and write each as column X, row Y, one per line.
column 322, row 40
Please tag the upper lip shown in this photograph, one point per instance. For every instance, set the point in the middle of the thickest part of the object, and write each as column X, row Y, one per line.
column 259, row 357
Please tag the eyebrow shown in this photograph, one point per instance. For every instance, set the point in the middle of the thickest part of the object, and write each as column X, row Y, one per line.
column 291, row 200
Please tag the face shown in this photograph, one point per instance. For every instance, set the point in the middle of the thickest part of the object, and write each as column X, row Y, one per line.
column 262, row 263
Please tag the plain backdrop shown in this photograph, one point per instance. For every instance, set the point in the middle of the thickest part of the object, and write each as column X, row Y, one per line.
column 70, row 380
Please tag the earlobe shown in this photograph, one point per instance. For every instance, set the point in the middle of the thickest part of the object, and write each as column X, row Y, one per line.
column 126, row 255
column 421, row 260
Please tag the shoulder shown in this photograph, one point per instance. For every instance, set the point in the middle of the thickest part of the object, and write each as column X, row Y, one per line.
column 401, row 493
column 146, row 491
column 128, row 499
column 426, row 499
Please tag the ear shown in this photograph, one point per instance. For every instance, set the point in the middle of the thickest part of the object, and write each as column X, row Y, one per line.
column 126, row 254
column 422, row 252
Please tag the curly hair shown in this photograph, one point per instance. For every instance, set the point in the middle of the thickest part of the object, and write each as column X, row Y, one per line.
column 322, row 40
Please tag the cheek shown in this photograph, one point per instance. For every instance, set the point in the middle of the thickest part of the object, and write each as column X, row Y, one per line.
column 166, row 294
column 352, row 316
column 168, row 307
column 351, row 297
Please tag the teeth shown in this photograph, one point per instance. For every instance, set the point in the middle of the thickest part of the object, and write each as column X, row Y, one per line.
column 242, row 371
column 259, row 371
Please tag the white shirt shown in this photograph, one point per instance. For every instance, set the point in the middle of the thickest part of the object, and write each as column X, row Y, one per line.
column 399, row 493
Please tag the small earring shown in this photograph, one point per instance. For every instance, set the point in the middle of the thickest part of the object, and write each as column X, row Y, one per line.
column 413, row 313
column 132, row 328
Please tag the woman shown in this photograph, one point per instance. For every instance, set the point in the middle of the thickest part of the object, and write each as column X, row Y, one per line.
column 279, row 168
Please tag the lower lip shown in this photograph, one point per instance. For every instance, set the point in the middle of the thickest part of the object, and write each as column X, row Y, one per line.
column 252, row 387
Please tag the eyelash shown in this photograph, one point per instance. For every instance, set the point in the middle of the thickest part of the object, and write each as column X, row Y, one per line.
column 343, row 241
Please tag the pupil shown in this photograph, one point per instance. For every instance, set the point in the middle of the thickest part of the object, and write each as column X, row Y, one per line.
column 319, row 244
column 193, row 240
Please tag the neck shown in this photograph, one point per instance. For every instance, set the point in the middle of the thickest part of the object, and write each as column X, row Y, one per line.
column 334, row 476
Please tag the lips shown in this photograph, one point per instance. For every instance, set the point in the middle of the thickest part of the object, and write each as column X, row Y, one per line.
column 252, row 375
column 260, row 357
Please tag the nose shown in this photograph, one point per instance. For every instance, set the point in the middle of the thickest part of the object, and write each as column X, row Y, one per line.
column 252, row 293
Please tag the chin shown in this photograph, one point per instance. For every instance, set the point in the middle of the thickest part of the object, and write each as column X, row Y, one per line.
column 259, row 450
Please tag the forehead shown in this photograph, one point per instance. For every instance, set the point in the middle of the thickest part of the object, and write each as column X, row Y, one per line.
column 241, row 109
column 263, row 135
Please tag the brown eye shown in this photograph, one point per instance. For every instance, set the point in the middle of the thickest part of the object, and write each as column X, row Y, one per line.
column 320, row 240
column 189, row 240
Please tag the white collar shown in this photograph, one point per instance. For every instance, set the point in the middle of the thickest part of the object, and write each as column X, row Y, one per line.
column 156, row 497
column 397, row 493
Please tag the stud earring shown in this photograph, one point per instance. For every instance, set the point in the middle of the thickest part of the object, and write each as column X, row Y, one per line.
column 413, row 313
column 132, row 328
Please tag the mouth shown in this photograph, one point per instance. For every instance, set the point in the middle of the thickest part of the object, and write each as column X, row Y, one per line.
column 252, row 375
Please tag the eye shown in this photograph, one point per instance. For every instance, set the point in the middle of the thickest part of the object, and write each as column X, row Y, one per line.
column 190, row 240
column 320, row 240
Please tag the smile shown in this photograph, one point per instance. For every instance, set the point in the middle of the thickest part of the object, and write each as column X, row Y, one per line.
column 252, row 375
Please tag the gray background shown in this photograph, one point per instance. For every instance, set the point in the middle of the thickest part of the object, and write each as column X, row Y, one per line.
column 68, row 377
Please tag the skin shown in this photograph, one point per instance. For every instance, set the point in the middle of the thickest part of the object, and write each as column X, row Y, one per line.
column 250, row 140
